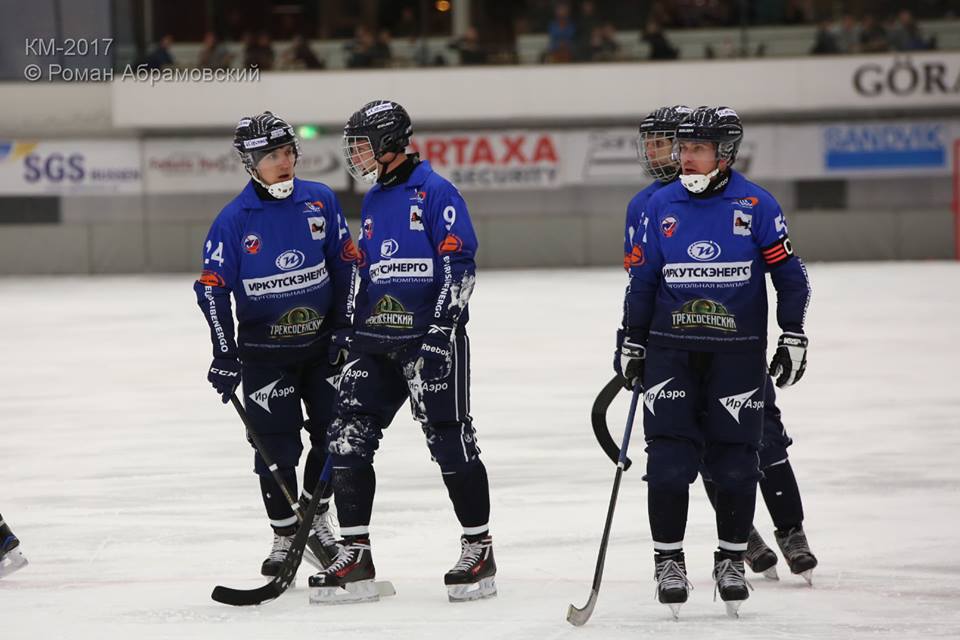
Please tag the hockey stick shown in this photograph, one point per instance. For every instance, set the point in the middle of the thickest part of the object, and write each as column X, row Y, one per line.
column 288, row 568
column 598, row 417
column 315, row 547
column 579, row 616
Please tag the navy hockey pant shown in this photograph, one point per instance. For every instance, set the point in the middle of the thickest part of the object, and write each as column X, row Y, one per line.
column 272, row 396
column 373, row 387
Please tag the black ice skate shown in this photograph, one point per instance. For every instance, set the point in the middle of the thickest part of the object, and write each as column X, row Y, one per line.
column 796, row 551
column 670, row 572
column 350, row 577
column 730, row 581
column 474, row 575
column 759, row 557
column 324, row 537
column 282, row 539
column 11, row 559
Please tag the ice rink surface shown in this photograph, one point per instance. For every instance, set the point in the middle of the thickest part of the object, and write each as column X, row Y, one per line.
column 132, row 489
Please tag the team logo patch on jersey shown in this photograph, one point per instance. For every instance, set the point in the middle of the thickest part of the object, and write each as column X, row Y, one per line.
column 450, row 244
column 416, row 218
column 635, row 258
column 389, row 248
column 748, row 203
column 316, row 206
column 289, row 260
column 390, row 312
column 295, row 323
column 704, row 250
column 742, row 223
column 318, row 227
column 418, row 197
column 252, row 244
column 349, row 252
column 668, row 226
column 368, row 228
column 704, row 314
column 211, row 279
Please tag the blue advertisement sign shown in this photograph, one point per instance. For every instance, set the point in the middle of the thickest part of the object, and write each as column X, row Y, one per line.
column 885, row 146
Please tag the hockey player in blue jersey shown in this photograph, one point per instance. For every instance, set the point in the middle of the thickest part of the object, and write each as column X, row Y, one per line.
column 408, row 344
column 694, row 336
column 779, row 484
column 11, row 559
column 283, row 250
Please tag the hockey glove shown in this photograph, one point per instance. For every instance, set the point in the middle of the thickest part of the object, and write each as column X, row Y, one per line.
column 629, row 359
column 435, row 358
column 224, row 375
column 790, row 360
column 340, row 342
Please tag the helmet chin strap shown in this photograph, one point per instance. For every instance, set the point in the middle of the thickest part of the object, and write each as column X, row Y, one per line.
column 698, row 182
column 278, row 190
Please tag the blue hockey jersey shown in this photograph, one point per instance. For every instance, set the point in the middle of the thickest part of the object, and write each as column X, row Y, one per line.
column 290, row 265
column 416, row 258
column 698, row 265
column 632, row 253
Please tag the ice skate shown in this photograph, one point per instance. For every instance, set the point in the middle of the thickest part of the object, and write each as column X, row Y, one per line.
column 349, row 578
column 11, row 559
column 759, row 557
column 730, row 581
column 796, row 551
column 673, row 587
column 282, row 539
column 474, row 575
column 324, row 535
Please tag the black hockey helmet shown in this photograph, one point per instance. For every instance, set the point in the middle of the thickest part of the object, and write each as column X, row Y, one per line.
column 720, row 125
column 657, row 159
column 379, row 127
column 255, row 136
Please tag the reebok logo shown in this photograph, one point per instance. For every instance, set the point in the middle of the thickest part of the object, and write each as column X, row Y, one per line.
column 657, row 392
column 735, row 403
column 263, row 396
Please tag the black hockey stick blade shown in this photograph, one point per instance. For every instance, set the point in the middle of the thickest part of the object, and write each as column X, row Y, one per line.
column 288, row 569
column 598, row 417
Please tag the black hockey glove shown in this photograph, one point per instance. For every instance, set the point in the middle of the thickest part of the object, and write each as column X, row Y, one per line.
column 435, row 358
column 790, row 360
column 224, row 375
column 340, row 342
column 629, row 359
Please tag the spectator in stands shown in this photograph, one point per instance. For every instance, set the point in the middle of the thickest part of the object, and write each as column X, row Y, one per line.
column 407, row 26
column 660, row 47
column 258, row 52
column 468, row 45
column 824, row 41
column 798, row 12
column 360, row 49
column 160, row 57
column 905, row 34
column 587, row 30
column 562, row 33
column 603, row 43
column 873, row 37
column 382, row 55
column 848, row 35
column 300, row 56
column 214, row 54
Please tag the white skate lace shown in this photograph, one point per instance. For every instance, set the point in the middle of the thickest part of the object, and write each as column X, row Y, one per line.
column 470, row 552
column 728, row 574
column 321, row 527
column 344, row 556
column 671, row 576
column 281, row 545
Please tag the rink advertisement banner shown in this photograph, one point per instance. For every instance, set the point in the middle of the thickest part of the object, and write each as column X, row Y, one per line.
column 210, row 165
column 783, row 152
column 495, row 159
column 69, row 167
